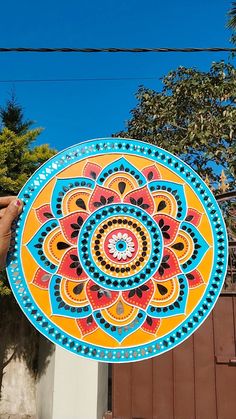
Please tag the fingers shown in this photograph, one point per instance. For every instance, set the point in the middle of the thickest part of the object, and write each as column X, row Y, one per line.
column 11, row 212
column 2, row 211
column 4, row 247
column 8, row 214
column 6, row 200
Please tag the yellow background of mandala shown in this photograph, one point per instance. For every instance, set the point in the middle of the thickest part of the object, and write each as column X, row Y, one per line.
column 99, row 337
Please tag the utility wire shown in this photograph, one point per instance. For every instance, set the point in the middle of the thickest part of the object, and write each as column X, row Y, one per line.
column 115, row 50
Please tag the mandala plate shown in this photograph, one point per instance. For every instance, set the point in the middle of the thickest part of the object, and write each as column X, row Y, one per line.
column 120, row 252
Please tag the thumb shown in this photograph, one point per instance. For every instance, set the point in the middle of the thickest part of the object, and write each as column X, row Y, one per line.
column 11, row 212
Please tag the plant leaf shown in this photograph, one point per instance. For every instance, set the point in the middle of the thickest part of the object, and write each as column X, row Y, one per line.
column 80, row 220
column 48, row 215
column 94, row 288
column 139, row 201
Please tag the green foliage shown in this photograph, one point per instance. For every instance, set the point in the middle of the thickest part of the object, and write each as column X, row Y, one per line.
column 18, row 159
column 13, row 118
column 231, row 24
column 4, row 288
column 193, row 116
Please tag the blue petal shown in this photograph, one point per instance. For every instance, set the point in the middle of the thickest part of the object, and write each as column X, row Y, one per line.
column 176, row 190
column 63, row 186
column 60, row 307
column 200, row 247
column 175, row 308
column 36, row 246
column 121, row 165
column 119, row 333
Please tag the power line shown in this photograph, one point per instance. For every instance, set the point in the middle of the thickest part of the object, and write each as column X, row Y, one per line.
column 116, row 50
column 75, row 80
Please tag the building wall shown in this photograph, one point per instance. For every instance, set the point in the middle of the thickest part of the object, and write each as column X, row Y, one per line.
column 67, row 387
column 18, row 398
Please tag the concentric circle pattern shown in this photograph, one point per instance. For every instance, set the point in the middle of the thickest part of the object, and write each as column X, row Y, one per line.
column 120, row 252
column 124, row 250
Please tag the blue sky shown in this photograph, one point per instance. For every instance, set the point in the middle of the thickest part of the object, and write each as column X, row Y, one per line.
column 72, row 112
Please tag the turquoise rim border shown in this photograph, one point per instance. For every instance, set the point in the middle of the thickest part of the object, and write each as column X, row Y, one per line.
column 130, row 354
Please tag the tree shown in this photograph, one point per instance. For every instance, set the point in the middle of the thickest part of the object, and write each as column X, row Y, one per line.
column 12, row 117
column 231, row 24
column 232, row 17
column 193, row 116
column 18, row 158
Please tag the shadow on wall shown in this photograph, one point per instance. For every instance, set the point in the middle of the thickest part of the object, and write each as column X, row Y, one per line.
column 20, row 340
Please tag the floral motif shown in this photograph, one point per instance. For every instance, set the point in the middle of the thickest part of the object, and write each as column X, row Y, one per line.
column 118, row 249
column 121, row 246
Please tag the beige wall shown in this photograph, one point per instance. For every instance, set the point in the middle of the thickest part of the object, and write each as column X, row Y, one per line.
column 69, row 387
column 72, row 387
column 18, row 400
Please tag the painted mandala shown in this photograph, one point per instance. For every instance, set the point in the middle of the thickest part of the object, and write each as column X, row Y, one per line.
column 120, row 252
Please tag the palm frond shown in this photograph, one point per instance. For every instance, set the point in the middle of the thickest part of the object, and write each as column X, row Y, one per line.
column 232, row 17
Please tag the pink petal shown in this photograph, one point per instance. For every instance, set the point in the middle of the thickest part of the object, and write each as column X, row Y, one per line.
column 194, row 279
column 71, row 272
column 151, row 173
column 102, row 196
column 169, row 227
column 44, row 213
column 169, row 266
column 142, row 198
column 41, row 279
column 91, row 170
column 193, row 216
column 69, row 221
